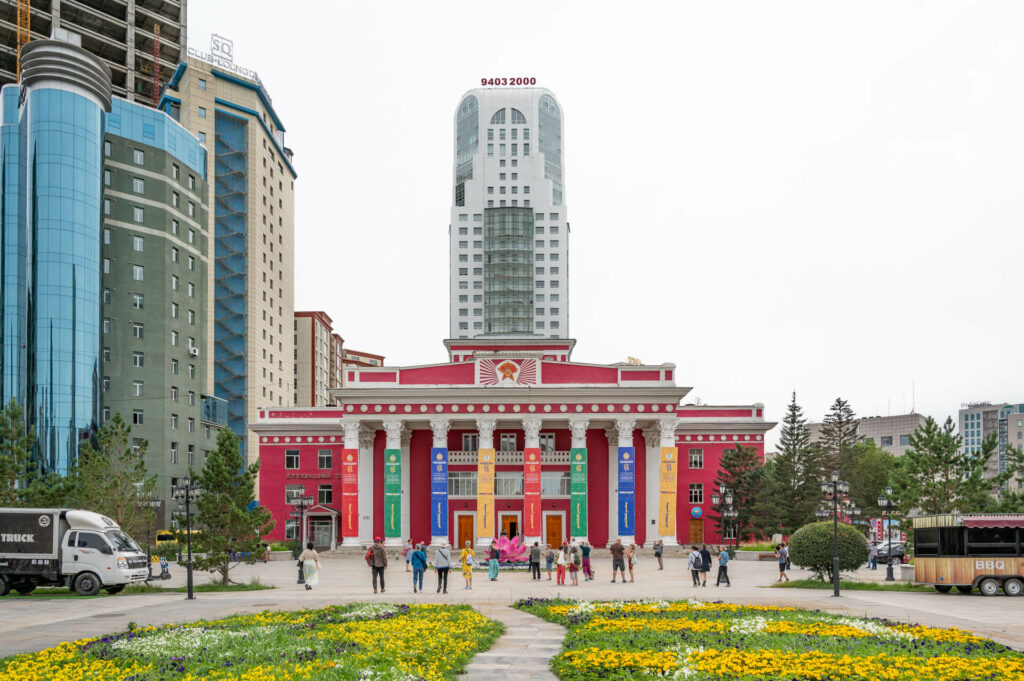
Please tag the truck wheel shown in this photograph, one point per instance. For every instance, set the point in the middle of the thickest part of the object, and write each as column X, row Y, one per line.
column 25, row 588
column 943, row 588
column 1013, row 587
column 87, row 584
column 5, row 588
column 988, row 587
column 965, row 589
column 114, row 589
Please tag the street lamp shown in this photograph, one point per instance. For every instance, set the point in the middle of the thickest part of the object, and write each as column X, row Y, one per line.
column 723, row 504
column 885, row 503
column 300, row 504
column 834, row 487
column 186, row 492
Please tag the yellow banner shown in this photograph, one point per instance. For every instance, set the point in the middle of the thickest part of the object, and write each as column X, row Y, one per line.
column 667, row 491
column 485, row 515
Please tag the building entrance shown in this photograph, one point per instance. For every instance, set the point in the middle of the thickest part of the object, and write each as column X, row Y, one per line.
column 510, row 524
column 321, row 533
column 553, row 530
column 464, row 530
column 696, row 531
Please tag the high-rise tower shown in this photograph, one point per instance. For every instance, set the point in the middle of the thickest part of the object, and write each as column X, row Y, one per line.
column 509, row 227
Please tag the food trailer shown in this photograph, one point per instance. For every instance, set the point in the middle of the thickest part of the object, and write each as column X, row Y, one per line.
column 970, row 551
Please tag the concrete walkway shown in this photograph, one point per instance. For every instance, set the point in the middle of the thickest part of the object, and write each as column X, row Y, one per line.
column 523, row 652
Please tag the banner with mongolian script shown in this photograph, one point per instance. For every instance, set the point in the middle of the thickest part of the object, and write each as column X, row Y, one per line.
column 531, row 492
column 667, row 491
column 350, row 493
column 627, row 491
column 578, row 492
column 392, row 492
column 485, row 515
column 439, row 492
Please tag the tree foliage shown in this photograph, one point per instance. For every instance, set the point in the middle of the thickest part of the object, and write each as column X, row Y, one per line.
column 870, row 469
column 812, row 547
column 16, row 444
column 838, row 436
column 228, row 527
column 791, row 490
column 741, row 471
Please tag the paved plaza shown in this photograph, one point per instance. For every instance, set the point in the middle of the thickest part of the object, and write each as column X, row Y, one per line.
column 30, row 624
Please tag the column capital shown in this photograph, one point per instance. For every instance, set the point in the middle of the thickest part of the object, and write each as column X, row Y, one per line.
column 351, row 431
column 579, row 428
column 486, row 428
column 531, row 427
column 394, row 429
column 440, row 428
column 366, row 438
column 624, row 427
column 652, row 437
column 667, row 428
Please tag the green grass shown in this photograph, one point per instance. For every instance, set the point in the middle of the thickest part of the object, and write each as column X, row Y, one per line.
column 205, row 587
column 763, row 547
column 854, row 586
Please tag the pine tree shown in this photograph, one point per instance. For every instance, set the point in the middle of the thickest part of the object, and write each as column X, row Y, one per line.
column 792, row 482
column 229, row 523
column 16, row 444
column 838, row 435
column 741, row 471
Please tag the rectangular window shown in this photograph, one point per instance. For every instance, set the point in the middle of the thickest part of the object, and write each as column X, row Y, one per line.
column 462, row 483
column 106, row 384
column 106, row 148
column 490, row 150
column 191, row 263
column 106, row 178
column 696, row 493
column 696, row 458
column 137, row 417
column 192, row 317
column 202, row 112
column 554, row 483
column 138, row 185
column 137, row 388
column 174, row 421
column 138, row 214
column 138, row 272
column 191, row 236
column 175, row 198
column 138, row 243
column 324, row 459
column 106, row 296
column 174, row 452
column 202, row 138
column 174, row 367
column 501, row 149
column 191, row 425
column 174, row 227
column 886, row 440
column 324, row 494
column 904, row 440
column 137, row 330
column 106, row 325
column 191, row 398
column 202, row 84
column 174, row 393
column 526, row 148
column 191, row 290
column 174, row 310
column 508, row 484
column 106, row 206
column 139, row 157
column 191, row 181
column 291, row 459
column 174, row 338
column 175, row 170
column 470, row 442
column 191, row 455
column 138, row 360
column 292, row 493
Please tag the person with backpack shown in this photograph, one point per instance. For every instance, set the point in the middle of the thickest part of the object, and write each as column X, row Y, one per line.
column 561, row 563
column 575, row 560
column 419, row 566
column 659, row 548
column 468, row 558
column 443, row 563
column 549, row 559
column 693, row 563
column 782, row 557
column 377, row 559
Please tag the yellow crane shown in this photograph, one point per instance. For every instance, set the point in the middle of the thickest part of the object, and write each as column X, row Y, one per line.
column 24, row 28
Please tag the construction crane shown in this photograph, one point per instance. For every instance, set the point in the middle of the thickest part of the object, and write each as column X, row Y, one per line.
column 156, row 65
column 24, row 28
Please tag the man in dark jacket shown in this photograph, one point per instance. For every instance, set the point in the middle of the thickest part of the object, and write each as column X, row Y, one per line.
column 379, row 562
column 705, row 564
column 535, row 561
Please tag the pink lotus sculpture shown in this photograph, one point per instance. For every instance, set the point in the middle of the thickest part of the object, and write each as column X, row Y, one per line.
column 512, row 551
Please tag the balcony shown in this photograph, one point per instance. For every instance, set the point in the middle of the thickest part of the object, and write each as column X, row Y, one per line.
column 513, row 458
column 214, row 411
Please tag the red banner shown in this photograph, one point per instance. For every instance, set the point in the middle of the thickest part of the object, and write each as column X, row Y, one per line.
column 531, row 493
column 350, row 493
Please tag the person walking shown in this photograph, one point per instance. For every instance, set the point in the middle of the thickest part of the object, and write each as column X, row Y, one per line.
column 588, row 571
column 693, row 563
column 419, row 566
column 659, row 548
column 492, row 562
column 378, row 561
column 310, row 560
column 535, row 561
column 873, row 560
column 549, row 559
column 575, row 561
column 633, row 561
column 785, row 547
column 618, row 552
column 723, row 568
column 780, row 555
column 705, row 564
column 443, row 564
column 561, row 562
column 407, row 554
column 468, row 558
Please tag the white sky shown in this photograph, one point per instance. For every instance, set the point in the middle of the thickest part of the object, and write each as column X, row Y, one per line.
column 816, row 196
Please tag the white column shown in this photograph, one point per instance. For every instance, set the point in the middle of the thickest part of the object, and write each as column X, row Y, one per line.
column 667, row 432
column 531, row 430
column 613, row 483
column 625, row 432
column 651, row 482
column 578, row 427
column 393, row 431
column 485, row 429
column 366, row 438
column 352, row 442
column 407, row 485
column 440, row 429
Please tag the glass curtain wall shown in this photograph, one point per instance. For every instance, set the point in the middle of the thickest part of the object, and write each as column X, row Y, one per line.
column 508, row 271
column 549, row 133
column 14, row 259
column 467, row 137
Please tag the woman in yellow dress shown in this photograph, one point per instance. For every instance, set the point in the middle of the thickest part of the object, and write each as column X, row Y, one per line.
column 468, row 558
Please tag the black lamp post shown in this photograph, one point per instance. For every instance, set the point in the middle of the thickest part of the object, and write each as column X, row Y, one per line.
column 186, row 492
column 300, row 504
column 723, row 504
column 885, row 503
column 834, row 487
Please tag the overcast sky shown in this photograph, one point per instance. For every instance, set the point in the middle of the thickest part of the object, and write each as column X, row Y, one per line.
column 813, row 196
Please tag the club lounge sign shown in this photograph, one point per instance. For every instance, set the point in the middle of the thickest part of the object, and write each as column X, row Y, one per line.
column 222, row 54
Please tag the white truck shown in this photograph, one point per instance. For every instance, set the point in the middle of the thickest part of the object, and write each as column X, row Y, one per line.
column 82, row 550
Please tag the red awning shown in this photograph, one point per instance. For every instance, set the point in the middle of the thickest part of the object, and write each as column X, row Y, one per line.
column 994, row 521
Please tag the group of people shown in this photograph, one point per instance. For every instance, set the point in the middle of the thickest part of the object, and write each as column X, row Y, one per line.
column 570, row 557
column 699, row 564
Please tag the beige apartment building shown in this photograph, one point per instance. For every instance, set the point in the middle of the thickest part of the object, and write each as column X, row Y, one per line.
column 251, row 185
column 321, row 359
column 891, row 433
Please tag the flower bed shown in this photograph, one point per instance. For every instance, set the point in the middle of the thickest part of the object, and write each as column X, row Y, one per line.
column 356, row 641
column 697, row 640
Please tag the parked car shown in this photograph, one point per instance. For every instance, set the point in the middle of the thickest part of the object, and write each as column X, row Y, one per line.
column 899, row 549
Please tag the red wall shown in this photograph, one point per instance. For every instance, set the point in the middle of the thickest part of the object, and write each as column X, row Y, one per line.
column 419, row 481
column 274, row 477
column 640, row 485
column 597, row 487
column 378, row 484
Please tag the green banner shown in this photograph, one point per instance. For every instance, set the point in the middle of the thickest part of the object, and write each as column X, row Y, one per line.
column 392, row 492
column 578, row 492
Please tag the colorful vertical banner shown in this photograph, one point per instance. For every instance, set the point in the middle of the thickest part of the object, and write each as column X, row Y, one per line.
column 439, row 492
column 578, row 492
column 485, row 515
column 531, row 492
column 392, row 492
column 667, row 491
column 627, row 491
column 350, row 493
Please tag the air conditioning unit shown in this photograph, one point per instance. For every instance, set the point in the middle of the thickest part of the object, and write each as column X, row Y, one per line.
column 193, row 352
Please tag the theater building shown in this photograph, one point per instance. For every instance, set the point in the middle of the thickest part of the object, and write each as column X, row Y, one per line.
column 507, row 435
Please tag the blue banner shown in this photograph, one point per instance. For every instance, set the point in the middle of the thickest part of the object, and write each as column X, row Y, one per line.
column 439, row 492
column 627, row 491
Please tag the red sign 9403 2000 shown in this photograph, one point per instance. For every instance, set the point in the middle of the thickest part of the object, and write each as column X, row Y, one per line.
column 508, row 81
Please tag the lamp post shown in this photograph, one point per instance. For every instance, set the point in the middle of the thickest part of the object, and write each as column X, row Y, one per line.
column 885, row 503
column 300, row 504
column 834, row 487
column 723, row 504
column 186, row 492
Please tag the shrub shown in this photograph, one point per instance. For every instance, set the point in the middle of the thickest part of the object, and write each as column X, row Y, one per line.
column 811, row 547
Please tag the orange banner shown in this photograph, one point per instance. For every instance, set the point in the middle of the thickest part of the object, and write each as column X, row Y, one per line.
column 485, row 515
column 667, row 491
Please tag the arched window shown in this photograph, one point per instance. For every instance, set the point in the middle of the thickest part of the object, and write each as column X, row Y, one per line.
column 518, row 118
column 499, row 117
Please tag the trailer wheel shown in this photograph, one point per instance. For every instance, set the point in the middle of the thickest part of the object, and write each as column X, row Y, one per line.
column 25, row 588
column 965, row 589
column 114, row 589
column 5, row 588
column 988, row 587
column 87, row 584
column 943, row 588
column 1013, row 587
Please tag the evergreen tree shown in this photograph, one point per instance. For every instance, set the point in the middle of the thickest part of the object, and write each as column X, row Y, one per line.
column 838, row 435
column 229, row 523
column 871, row 469
column 1011, row 494
column 792, row 482
column 16, row 444
column 742, row 471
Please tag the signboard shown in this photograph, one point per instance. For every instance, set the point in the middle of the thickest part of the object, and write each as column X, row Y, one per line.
column 668, row 481
column 531, row 492
column 439, row 492
column 627, row 493
column 392, row 492
column 878, row 529
column 578, row 492
column 27, row 534
column 485, row 515
column 222, row 54
column 350, row 493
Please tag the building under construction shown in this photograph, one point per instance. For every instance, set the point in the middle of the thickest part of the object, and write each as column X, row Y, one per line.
column 142, row 41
